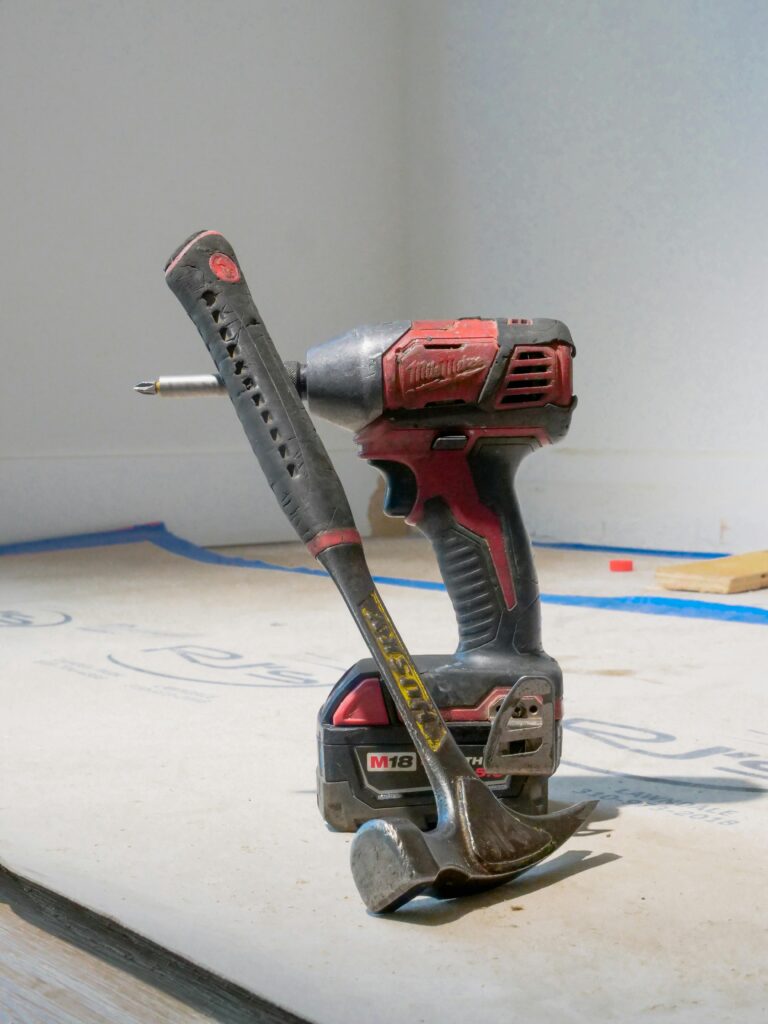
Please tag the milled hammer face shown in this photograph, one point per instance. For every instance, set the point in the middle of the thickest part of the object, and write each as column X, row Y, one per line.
column 391, row 863
column 477, row 844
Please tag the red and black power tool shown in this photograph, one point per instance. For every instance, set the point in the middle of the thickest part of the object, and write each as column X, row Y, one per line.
column 446, row 410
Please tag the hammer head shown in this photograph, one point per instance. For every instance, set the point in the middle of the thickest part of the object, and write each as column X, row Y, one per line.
column 477, row 844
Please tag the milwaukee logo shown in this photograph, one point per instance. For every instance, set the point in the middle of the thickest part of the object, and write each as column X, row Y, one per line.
column 432, row 373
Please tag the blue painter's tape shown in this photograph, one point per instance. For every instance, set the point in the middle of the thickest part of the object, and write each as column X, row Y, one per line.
column 664, row 606
column 178, row 546
column 609, row 549
column 156, row 533
column 105, row 538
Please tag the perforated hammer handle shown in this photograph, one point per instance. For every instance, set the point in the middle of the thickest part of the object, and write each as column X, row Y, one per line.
column 205, row 276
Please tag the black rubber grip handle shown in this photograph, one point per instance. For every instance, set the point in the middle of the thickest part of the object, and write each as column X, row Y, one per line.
column 468, row 573
column 205, row 277
column 485, row 621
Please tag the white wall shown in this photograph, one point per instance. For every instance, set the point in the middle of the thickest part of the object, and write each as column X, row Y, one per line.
column 125, row 127
column 607, row 164
column 600, row 162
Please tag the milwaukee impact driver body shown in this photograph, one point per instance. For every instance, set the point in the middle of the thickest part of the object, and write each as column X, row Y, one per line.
column 447, row 411
column 476, row 842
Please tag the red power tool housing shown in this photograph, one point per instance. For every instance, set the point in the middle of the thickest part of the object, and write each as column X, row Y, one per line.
column 447, row 410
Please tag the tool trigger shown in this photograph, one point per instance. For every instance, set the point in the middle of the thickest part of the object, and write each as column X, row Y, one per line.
column 400, row 496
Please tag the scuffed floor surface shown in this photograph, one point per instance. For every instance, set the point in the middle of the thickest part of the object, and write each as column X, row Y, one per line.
column 157, row 759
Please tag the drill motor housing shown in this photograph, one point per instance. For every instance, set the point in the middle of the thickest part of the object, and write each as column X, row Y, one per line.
column 447, row 410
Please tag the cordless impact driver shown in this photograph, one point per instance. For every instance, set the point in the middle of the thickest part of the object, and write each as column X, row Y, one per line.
column 446, row 410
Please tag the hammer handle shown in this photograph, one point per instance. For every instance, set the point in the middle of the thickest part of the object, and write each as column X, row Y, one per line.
column 205, row 277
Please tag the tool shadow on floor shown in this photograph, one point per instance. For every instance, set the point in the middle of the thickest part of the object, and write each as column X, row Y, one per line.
column 614, row 793
column 617, row 790
column 429, row 911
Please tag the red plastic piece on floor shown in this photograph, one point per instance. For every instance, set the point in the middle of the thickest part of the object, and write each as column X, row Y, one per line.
column 621, row 565
column 363, row 706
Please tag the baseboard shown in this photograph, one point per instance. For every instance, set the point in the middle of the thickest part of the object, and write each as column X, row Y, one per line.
column 703, row 502
column 209, row 498
column 707, row 501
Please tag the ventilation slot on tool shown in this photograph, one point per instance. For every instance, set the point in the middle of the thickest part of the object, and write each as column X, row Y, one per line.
column 531, row 377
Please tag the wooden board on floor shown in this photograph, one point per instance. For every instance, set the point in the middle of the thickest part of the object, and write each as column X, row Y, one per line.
column 731, row 575
column 61, row 963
